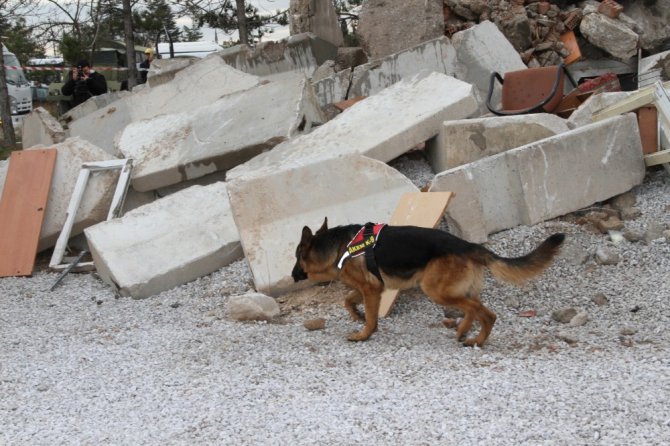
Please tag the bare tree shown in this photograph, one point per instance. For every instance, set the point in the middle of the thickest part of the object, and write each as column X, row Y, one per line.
column 130, row 45
column 242, row 22
column 10, row 10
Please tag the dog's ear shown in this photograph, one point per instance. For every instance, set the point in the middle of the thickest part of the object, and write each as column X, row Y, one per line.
column 324, row 226
column 306, row 235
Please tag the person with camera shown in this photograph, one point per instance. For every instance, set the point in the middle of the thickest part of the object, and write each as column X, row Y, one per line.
column 84, row 83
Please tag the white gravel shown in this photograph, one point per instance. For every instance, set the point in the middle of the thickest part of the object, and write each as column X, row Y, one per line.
column 79, row 365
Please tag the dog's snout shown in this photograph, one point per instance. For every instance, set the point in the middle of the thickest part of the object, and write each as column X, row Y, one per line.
column 298, row 274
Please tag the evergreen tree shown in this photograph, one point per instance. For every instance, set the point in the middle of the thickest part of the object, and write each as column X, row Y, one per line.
column 152, row 22
column 191, row 34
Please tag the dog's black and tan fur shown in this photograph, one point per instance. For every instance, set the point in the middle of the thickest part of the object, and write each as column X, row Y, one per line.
column 448, row 269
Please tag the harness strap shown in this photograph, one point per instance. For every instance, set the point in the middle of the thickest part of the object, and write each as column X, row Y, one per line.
column 370, row 261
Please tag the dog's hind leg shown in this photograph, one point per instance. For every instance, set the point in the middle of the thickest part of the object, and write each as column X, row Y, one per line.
column 351, row 302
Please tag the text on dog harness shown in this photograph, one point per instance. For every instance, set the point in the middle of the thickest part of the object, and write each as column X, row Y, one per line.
column 363, row 243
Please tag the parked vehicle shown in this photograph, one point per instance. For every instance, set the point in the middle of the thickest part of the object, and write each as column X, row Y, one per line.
column 20, row 94
column 186, row 49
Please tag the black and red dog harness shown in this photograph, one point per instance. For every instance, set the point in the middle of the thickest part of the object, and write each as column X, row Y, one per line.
column 364, row 243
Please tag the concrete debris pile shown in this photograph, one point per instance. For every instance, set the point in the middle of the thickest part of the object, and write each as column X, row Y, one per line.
column 234, row 167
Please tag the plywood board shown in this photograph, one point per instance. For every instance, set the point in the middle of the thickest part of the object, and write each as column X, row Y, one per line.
column 423, row 209
column 22, row 209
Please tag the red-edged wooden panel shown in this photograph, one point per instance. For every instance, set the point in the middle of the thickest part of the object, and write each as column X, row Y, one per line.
column 22, row 209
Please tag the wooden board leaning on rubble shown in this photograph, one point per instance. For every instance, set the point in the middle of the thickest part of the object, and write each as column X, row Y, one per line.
column 640, row 98
column 423, row 209
column 22, row 209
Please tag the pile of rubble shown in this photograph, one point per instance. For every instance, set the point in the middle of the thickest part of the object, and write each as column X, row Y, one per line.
column 234, row 167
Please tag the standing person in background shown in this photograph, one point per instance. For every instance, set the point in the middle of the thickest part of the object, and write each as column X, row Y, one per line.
column 84, row 83
column 146, row 63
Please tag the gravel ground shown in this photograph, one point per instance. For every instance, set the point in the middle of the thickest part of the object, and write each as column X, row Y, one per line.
column 79, row 365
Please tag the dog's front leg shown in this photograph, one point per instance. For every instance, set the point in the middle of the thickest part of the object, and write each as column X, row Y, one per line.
column 371, row 301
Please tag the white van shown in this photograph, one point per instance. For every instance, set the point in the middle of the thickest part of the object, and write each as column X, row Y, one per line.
column 187, row 49
column 20, row 94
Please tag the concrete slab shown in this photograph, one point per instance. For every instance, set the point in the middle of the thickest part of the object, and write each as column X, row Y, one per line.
column 164, row 70
column 40, row 127
column 166, row 243
column 177, row 147
column 300, row 54
column 480, row 51
column 96, row 201
column 529, row 184
column 593, row 104
column 466, row 140
column 383, row 126
column 437, row 55
column 271, row 210
column 91, row 105
column 186, row 92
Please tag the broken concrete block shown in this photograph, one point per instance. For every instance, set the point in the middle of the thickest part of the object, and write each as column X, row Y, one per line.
column 334, row 88
column 437, row 55
column 91, row 105
column 482, row 50
column 610, row 35
column 166, row 243
column 318, row 17
column 654, row 19
column 388, row 27
column 271, row 210
column 300, row 54
column 383, row 126
column 177, row 147
column 466, row 140
column 370, row 78
column 529, row 184
column 605, row 160
column 40, row 127
column 593, row 104
column 182, row 94
column 164, row 70
column 94, row 206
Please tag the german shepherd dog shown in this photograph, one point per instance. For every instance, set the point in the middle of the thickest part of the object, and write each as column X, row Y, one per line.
column 449, row 270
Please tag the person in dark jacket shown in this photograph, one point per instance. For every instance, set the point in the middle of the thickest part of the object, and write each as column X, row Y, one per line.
column 146, row 64
column 84, row 83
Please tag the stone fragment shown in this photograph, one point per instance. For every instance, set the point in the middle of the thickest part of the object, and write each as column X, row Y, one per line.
column 610, row 35
column 607, row 256
column 315, row 324
column 564, row 316
column 252, row 307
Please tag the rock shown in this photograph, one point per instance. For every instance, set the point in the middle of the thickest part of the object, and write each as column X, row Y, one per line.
column 623, row 201
column 612, row 36
column 606, row 256
column 609, row 224
column 630, row 213
column 252, row 307
column 666, row 234
column 654, row 231
column 628, row 331
column 616, row 237
column 512, row 302
column 315, row 324
column 564, row 316
column 579, row 319
column 632, row 235
column 599, row 299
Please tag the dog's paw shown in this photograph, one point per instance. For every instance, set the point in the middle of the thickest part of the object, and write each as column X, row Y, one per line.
column 357, row 336
column 472, row 342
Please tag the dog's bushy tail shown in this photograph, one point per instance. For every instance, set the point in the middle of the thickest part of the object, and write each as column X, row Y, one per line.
column 518, row 270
